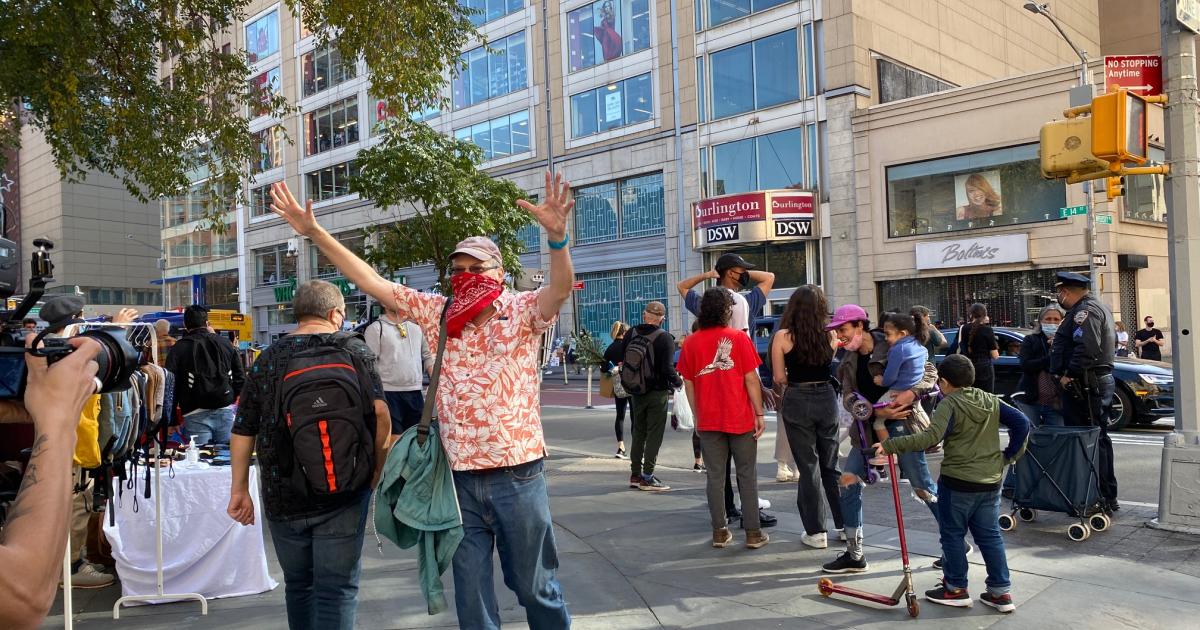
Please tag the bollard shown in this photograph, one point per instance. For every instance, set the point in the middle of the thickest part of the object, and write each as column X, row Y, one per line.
column 589, row 388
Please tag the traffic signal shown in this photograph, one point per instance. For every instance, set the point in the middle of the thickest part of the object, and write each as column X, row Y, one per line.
column 1066, row 148
column 1114, row 187
column 1119, row 127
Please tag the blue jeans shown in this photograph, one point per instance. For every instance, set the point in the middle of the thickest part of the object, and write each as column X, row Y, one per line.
column 507, row 510
column 979, row 513
column 911, row 464
column 405, row 409
column 210, row 426
column 1041, row 415
column 321, row 560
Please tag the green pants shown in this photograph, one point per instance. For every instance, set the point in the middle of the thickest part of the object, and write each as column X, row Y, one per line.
column 648, row 424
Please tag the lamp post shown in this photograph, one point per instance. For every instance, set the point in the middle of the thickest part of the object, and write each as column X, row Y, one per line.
column 1081, row 95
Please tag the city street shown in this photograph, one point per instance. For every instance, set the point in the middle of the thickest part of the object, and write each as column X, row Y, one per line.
column 639, row 560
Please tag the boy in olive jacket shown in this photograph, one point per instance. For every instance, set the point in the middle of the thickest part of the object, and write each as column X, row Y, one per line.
column 969, row 420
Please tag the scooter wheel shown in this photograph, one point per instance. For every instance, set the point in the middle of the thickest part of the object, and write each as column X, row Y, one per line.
column 1099, row 522
column 1007, row 522
column 825, row 586
column 1079, row 532
column 914, row 608
column 1028, row 515
column 872, row 476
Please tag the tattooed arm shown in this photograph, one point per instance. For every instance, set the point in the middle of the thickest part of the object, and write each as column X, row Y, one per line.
column 35, row 534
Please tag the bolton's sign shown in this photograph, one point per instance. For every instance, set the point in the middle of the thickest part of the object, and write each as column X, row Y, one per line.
column 756, row 217
column 973, row 252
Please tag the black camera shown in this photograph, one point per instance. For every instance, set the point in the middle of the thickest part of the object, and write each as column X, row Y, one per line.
column 117, row 360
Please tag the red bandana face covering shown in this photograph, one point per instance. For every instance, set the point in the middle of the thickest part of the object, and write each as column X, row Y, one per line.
column 473, row 293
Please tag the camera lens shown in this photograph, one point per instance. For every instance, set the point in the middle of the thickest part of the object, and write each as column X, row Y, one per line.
column 117, row 359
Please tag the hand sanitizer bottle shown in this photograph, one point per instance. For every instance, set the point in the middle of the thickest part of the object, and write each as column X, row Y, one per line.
column 193, row 452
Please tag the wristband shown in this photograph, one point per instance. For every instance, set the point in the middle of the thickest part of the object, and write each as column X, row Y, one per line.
column 559, row 244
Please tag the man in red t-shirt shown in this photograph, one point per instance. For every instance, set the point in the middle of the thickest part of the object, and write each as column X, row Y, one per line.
column 719, row 367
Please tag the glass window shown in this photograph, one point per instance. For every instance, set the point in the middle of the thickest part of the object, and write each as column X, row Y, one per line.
column 606, row 30
column 701, row 94
column 722, row 11
column 999, row 187
column 260, row 201
column 615, row 105
column 788, row 261
column 814, row 157
column 331, row 181
column 1145, row 195
column 332, row 126
column 270, row 149
column 281, row 315
column 269, row 83
column 767, row 162
column 262, row 37
column 608, row 296
column 488, row 76
column 756, row 75
column 628, row 208
column 531, row 237
column 321, row 265
column 810, row 61
column 519, row 124
column 273, row 265
column 323, row 69
column 488, row 10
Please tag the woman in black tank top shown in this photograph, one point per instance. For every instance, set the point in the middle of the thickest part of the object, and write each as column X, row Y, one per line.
column 801, row 356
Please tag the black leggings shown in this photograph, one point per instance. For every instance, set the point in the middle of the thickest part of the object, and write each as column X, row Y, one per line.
column 622, row 404
column 695, row 444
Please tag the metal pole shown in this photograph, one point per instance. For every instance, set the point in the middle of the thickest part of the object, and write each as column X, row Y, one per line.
column 1091, row 236
column 589, row 396
column 1179, row 487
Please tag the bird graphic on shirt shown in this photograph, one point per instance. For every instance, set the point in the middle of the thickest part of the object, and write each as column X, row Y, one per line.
column 723, row 360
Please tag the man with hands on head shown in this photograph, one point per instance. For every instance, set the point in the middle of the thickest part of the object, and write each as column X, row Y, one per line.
column 35, row 532
column 488, row 403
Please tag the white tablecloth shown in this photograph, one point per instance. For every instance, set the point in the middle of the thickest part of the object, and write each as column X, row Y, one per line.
column 204, row 551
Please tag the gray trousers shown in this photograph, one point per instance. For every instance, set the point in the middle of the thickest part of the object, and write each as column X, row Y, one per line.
column 809, row 415
column 717, row 448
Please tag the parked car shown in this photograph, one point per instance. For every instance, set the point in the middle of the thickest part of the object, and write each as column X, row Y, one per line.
column 1145, row 389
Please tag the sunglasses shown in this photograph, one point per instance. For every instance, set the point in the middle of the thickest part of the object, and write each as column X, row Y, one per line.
column 476, row 269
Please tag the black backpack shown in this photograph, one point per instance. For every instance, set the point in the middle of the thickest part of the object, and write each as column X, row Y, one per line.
column 327, row 419
column 638, row 367
column 207, row 385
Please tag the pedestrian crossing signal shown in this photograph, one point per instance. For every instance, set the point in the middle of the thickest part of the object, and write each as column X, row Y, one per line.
column 1114, row 187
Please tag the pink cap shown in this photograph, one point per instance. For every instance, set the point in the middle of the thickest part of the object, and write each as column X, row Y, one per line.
column 480, row 247
column 847, row 313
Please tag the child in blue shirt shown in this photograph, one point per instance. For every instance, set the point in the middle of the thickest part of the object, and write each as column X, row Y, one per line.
column 906, row 360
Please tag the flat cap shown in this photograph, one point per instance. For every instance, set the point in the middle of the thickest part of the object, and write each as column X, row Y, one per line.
column 61, row 308
column 1072, row 279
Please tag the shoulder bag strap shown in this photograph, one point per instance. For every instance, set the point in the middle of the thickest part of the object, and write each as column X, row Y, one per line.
column 431, row 394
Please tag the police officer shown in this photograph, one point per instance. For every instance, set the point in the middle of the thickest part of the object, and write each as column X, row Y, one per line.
column 1082, row 359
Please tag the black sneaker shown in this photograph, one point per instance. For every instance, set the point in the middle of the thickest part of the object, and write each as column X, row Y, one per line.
column 733, row 515
column 939, row 563
column 1003, row 603
column 652, row 484
column 1111, row 506
column 845, row 564
column 765, row 520
column 949, row 597
column 699, row 468
column 635, row 481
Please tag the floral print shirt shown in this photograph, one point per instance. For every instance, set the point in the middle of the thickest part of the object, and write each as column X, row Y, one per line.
column 488, row 401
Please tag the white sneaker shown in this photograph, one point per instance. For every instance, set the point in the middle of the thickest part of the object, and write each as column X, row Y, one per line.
column 816, row 541
column 88, row 577
column 764, row 504
column 783, row 473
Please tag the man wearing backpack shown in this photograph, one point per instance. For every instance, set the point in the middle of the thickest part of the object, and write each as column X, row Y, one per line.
column 208, row 377
column 648, row 374
column 314, row 413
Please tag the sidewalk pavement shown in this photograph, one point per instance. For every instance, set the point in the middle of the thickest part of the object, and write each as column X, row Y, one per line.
column 634, row 560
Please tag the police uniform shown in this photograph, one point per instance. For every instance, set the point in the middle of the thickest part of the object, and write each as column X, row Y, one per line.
column 1083, row 350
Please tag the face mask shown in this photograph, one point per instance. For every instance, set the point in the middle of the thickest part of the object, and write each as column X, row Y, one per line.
column 1049, row 329
column 473, row 293
column 855, row 342
column 744, row 279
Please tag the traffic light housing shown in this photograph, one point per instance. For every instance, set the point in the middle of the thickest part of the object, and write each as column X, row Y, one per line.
column 1119, row 127
column 1114, row 187
column 1066, row 148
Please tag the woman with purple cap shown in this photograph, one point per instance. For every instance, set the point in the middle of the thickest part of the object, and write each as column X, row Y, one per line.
column 865, row 346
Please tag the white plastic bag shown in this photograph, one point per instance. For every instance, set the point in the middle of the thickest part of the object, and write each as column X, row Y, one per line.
column 683, row 412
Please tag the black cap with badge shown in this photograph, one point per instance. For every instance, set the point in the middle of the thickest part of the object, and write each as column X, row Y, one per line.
column 731, row 260
column 1072, row 279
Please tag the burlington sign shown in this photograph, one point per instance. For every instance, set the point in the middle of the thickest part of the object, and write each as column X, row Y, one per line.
column 761, row 216
column 973, row 252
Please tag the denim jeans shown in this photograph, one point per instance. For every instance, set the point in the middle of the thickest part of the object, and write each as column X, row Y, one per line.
column 911, row 464
column 321, row 560
column 405, row 409
column 507, row 510
column 978, row 513
column 1040, row 415
column 210, row 426
column 809, row 418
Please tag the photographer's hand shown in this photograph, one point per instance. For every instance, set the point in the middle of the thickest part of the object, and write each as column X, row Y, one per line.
column 37, row 520
column 125, row 316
